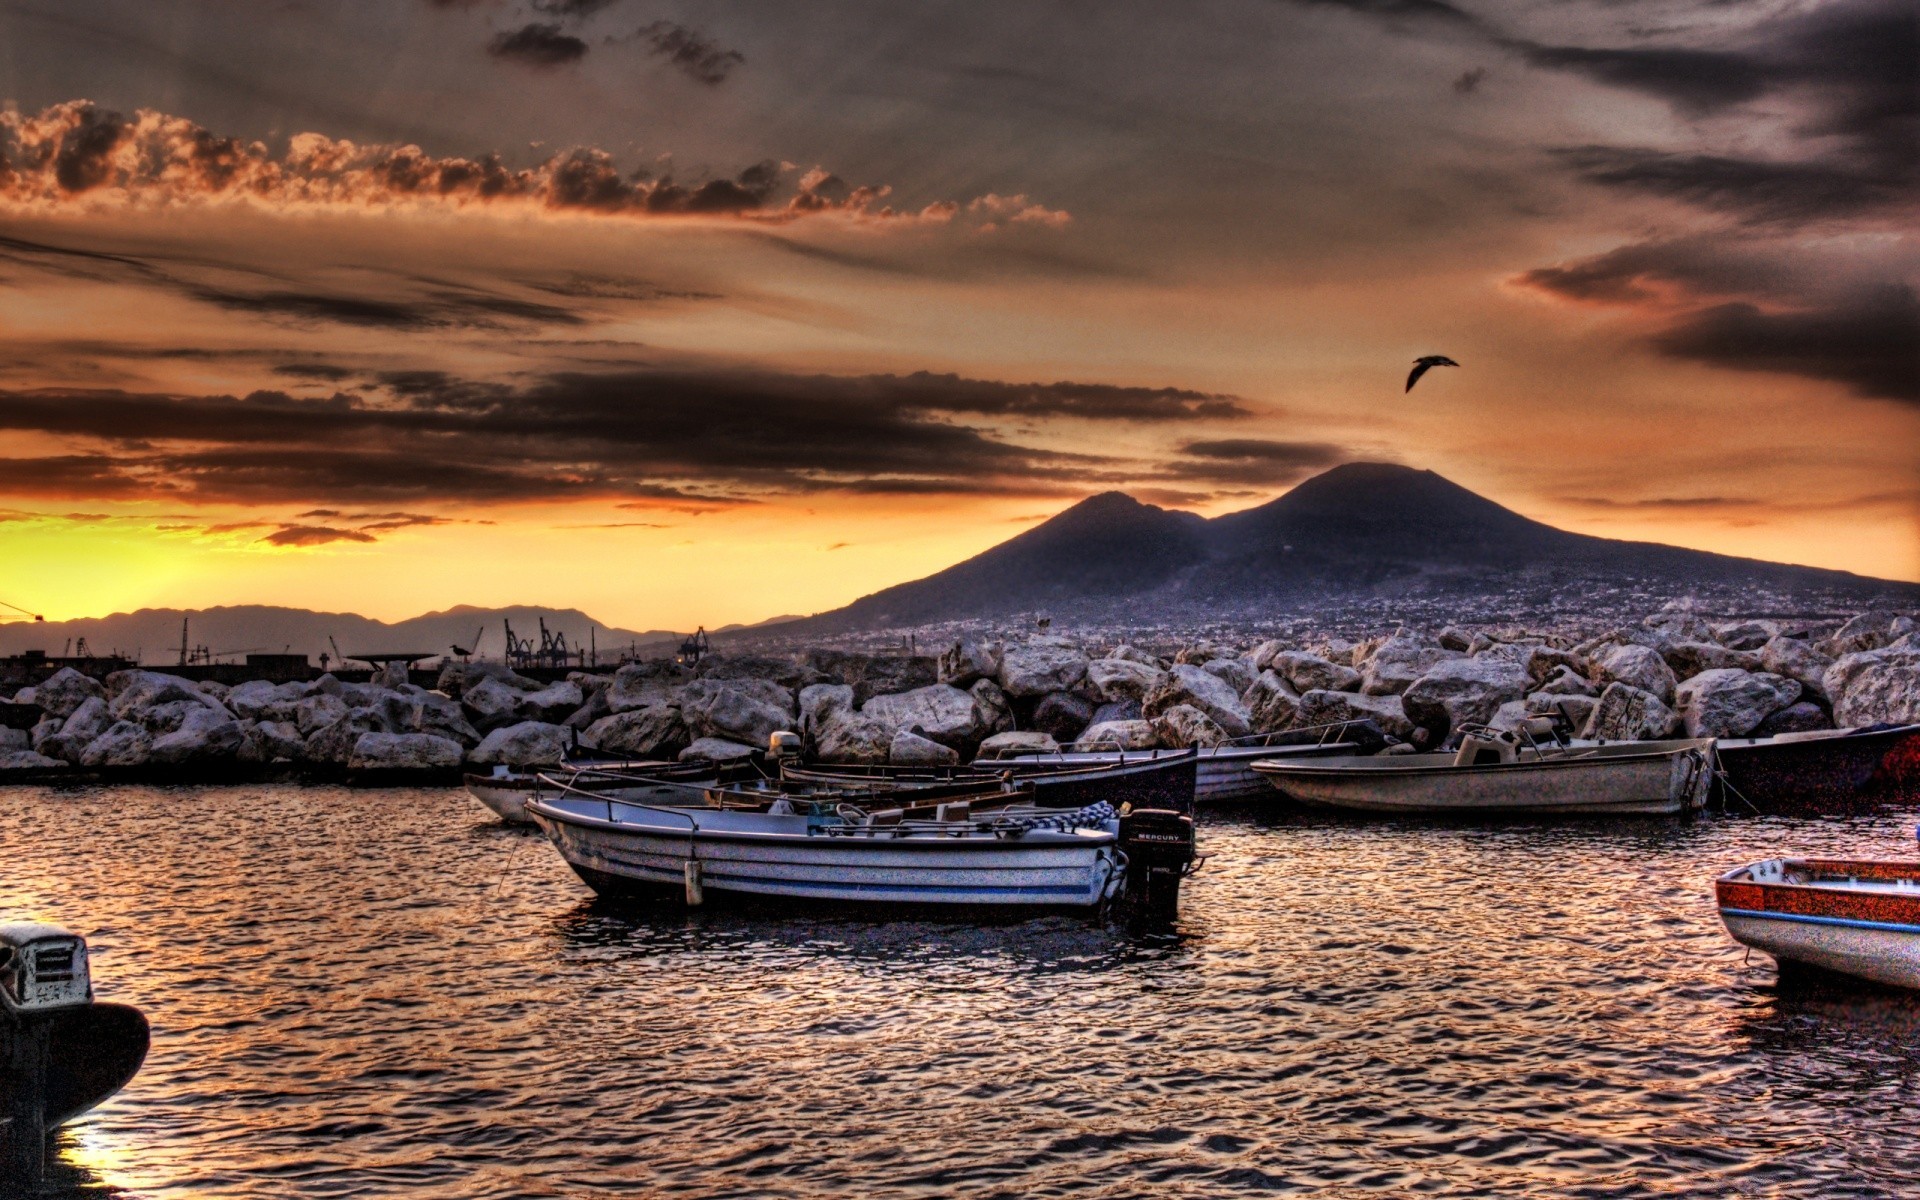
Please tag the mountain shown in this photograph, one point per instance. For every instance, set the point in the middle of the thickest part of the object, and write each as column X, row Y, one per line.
column 1363, row 530
column 153, row 634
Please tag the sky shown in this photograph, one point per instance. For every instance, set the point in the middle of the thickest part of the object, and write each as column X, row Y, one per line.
column 706, row 313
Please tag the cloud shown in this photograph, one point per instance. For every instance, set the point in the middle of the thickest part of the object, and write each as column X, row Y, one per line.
column 76, row 151
column 1394, row 10
column 1469, row 81
column 313, row 535
column 686, row 439
column 1254, row 461
column 572, row 9
column 538, row 44
column 1870, row 343
column 1757, row 190
column 698, row 57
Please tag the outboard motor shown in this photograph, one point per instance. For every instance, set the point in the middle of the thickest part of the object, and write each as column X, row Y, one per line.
column 1159, row 846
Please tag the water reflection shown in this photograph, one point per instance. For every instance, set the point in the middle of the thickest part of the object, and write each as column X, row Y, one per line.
column 391, row 994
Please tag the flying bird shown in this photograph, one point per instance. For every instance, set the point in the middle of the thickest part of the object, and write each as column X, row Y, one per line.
column 1421, row 364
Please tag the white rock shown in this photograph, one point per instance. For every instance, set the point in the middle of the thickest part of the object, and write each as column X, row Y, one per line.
column 204, row 736
column 1306, row 672
column 847, row 738
column 492, row 704
column 1321, row 707
column 530, row 743
column 1398, row 663
column 27, row 760
column 821, row 702
column 1464, row 691
column 553, row 703
column 656, row 732
column 272, row 741
column 715, row 750
column 1875, row 687
column 996, row 711
column 124, row 744
column 1625, row 713
column 1690, row 658
column 639, row 685
column 964, row 662
column 1120, row 735
column 1639, row 667
column 1116, row 679
column 316, row 712
column 1800, row 662
column 911, row 750
column 1729, row 702
column 1234, row 672
column 252, row 699
column 1014, row 742
column 64, row 691
column 747, row 711
column 1041, row 666
column 1194, row 687
column 1182, row 725
column 131, row 692
column 1271, row 705
column 403, row 752
column 941, row 712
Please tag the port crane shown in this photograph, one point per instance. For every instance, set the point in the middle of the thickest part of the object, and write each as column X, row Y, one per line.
column 23, row 612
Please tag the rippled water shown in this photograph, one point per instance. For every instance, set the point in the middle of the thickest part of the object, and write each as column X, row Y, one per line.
column 385, row 993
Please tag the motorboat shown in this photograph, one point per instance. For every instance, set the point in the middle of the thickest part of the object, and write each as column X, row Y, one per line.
column 1508, row 773
column 984, row 848
column 1827, row 768
column 1222, row 774
column 1144, row 779
column 1857, row 917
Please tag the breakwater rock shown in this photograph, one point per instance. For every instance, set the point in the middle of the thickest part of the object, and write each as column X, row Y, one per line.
column 1674, row 671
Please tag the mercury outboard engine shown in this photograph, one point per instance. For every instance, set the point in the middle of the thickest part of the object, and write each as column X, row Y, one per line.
column 1159, row 846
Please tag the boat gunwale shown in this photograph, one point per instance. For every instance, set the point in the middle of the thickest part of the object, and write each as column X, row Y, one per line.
column 976, row 838
column 1322, row 769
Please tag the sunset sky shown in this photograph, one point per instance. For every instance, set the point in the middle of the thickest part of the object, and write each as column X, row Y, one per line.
column 701, row 313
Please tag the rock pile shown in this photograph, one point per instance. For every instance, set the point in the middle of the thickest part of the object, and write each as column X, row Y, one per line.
column 1671, row 674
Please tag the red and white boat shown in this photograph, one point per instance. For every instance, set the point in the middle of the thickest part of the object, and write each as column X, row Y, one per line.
column 1857, row 917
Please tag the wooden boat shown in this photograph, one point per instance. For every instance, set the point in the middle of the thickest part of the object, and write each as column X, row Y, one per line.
column 505, row 791
column 1620, row 777
column 1222, row 774
column 1828, row 768
column 1854, row 917
column 1143, row 779
column 992, row 849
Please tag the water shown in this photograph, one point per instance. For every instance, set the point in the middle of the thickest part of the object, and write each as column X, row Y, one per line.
column 386, row 994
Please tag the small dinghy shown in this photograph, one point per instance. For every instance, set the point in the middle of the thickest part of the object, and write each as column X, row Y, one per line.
column 1222, row 774
column 1501, row 773
column 1808, row 772
column 1857, row 917
column 989, row 850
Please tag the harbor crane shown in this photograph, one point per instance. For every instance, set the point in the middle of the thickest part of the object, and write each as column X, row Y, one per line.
column 23, row 612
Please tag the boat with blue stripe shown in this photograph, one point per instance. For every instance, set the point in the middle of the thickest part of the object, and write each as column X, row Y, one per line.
column 1857, row 917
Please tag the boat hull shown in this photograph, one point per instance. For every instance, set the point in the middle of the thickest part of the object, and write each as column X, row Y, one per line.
column 1869, row 932
column 1660, row 778
column 1812, row 772
column 755, row 856
column 1222, row 774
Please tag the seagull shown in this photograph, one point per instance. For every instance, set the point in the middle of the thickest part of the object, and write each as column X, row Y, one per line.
column 1421, row 364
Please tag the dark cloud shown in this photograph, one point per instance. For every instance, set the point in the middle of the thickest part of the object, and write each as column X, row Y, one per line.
column 1758, row 190
column 538, row 44
column 1419, row 10
column 1870, row 343
column 698, row 57
column 572, row 10
column 672, row 439
column 1666, row 502
column 1696, row 82
column 327, row 371
column 313, row 535
column 1687, row 268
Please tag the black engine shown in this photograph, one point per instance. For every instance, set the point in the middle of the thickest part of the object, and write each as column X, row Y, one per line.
column 1159, row 846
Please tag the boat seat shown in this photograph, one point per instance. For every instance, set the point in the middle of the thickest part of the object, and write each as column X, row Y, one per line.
column 1484, row 749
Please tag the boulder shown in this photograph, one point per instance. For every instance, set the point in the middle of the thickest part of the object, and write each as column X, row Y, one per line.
column 83, row 725
column 1194, row 687
column 26, row 695
column 1875, row 687
column 873, row 675
column 1398, row 663
column 12, row 740
column 1565, row 681
column 1799, row 662
column 271, row 741
column 1233, row 671
column 553, row 703
column 1802, row 716
column 334, row 744
column 964, row 662
column 456, row 677
column 1577, row 710
column 1181, row 725
column 492, row 704
column 1322, row 707
column 1040, row 666
column 1730, row 702
column 204, row 736
column 1063, row 715
column 655, row 732
column 1118, row 710
column 318, row 711
column 1007, row 745
column 430, row 712
column 1690, row 658
column 27, row 760
column 1868, row 631
column 822, row 702
column 1639, row 667
column 1463, row 691
column 1679, row 625
column 130, row 692
column 1261, row 657
column 847, row 738
column 1271, row 705
column 404, row 752
column 641, row 685
column 1455, row 638
column 996, row 711
column 1112, row 679
column 939, row 711
column 64, row 691
column 162, row 719
column 1134, row 654
column 1120, row 735
column 42, row 731
column 748, row 711
column 392, row 676
column 784, row 672
column 1625, row 713
column 530, row 743
column 124, row 744
column 1746, row 635
column 1196, row 653
column 713, row 749
column 1309, row 672
column 252, row 699
column 909, row 749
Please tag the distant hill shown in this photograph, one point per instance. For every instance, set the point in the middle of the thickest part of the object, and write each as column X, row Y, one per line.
column 153, row 634
column 1363, row 529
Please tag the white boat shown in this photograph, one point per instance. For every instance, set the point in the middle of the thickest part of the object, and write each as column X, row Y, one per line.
column 505, row 791
column 956, row 857
column 1222, row 773
column 1857, row 917
column 1619, row 777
